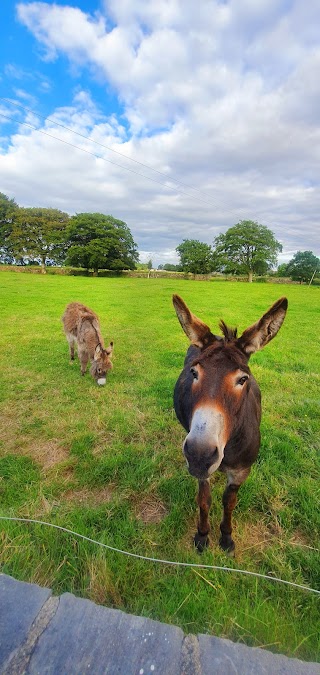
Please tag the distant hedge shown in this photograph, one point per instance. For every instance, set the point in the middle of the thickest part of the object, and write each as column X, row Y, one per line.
column 144, row 274
column 79, row 271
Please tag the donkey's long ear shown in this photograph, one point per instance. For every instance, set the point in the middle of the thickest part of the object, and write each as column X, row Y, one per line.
column 97, row 352
column 109, row 349
column 258, row 335
column 197, row 331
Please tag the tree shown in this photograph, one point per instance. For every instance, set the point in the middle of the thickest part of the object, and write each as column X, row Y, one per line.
column 303, row 265
column 149, row 266
column 7, row 209
column 39, row 233
column 246, row 248
column 195, row 256
column 282, row 270
column 97, row 241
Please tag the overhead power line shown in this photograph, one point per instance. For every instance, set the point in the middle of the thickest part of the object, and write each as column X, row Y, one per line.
column 126, row 168
column 117, row 152
column 93, row 154
column 213, row 203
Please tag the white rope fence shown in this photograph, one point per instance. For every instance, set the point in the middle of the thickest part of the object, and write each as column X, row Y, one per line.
column 159, row 560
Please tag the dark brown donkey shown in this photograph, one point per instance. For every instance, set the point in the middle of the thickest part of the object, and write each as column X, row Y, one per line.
column 218, row 402
column 81, row 326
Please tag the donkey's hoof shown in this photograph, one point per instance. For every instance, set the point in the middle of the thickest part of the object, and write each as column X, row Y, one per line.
column 201, row 542
column 228, row 546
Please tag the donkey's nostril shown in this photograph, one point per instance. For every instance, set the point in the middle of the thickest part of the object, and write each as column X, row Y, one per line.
column 213, row 453
column 211, row 458
column 186, row 450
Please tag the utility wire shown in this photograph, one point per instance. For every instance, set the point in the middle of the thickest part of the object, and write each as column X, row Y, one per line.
column 93, row 154
column 106, row 147
column 159, row 560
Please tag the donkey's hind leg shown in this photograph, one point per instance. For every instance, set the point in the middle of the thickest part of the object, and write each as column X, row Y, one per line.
column 229, row 499
column 71, row 342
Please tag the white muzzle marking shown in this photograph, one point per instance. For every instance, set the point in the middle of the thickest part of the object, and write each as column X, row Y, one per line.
column 101, row 381
column 207, row 427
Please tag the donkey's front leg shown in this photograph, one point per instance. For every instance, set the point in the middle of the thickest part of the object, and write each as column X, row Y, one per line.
column 201, row 538
column 84, row 358
column 229, row 500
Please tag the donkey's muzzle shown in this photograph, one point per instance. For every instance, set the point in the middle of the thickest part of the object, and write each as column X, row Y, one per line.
column 200, row 463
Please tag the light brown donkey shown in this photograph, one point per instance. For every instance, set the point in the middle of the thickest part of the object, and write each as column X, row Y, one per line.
column 81, row 325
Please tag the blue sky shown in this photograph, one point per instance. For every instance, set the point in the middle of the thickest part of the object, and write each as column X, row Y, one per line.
column 194, row 116
column 27, row 74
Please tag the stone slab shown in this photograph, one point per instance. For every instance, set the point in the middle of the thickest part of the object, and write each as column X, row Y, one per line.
column 223, row 657
column 20, row 603
column 45, row 635
column 86, row 638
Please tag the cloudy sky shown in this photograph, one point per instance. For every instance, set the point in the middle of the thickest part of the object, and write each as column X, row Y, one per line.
column 179, row 117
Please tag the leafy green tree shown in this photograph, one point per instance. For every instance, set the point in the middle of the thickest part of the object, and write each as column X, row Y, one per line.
column 7, row 209
column 39, row 233
column 246, row 248
column 195, row 256
column 282, row 270
column 303, row 266
column 97, row 241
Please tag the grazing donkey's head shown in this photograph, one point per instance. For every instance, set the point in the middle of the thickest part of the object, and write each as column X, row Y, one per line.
column 101, row 363
column 216, row 398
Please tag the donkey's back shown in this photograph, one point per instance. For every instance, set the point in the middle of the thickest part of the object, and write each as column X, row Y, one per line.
column 81, row 326
column 74, row 316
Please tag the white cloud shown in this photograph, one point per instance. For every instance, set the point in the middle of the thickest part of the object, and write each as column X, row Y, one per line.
column 225, row 99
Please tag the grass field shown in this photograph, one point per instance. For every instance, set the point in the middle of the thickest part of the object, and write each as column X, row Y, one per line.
column 107, row 462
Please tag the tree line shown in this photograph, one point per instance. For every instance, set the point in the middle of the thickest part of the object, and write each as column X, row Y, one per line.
column 247, row 248
column 52, row 237
column 97, row 241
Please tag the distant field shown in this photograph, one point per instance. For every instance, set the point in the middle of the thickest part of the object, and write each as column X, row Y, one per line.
column 107, row 461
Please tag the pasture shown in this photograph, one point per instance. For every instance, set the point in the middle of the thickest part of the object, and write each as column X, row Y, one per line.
column 107, row 461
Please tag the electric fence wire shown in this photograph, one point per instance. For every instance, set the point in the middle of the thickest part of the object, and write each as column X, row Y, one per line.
column 160, row 560
column 63, row 529
column 77, row 534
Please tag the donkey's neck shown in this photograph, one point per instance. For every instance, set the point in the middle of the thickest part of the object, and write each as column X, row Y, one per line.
column 93, row 338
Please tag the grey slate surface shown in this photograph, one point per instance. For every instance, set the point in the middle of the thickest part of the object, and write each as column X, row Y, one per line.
column 105, row 641
column 20, row 604
column 223, row 657
column 44, row 635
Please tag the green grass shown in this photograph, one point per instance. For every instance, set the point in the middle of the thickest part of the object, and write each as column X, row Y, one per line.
column 107, row 461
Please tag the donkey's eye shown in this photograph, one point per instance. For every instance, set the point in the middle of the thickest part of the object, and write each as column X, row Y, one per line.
column 194, row 373
column 243, row 379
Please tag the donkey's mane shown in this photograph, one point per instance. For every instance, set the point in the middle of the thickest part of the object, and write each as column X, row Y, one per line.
column 229, row 333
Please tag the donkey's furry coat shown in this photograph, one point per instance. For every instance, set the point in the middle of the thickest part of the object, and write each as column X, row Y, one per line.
column 81, row 326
